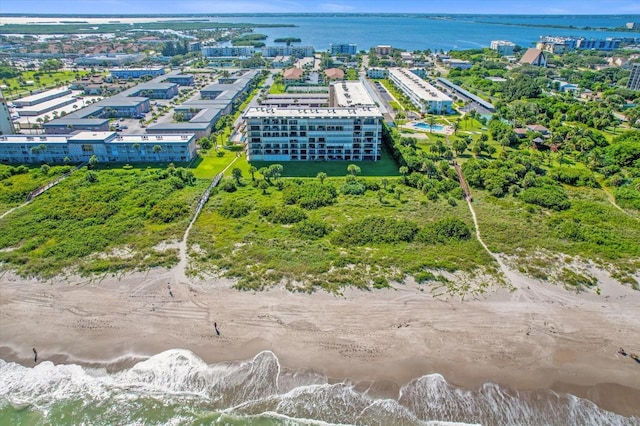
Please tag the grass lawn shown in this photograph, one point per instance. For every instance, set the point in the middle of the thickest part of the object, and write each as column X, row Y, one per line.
column 277, row 89
column 209, row 164
column 261, row 253
column 41, row 80
column 385, row 167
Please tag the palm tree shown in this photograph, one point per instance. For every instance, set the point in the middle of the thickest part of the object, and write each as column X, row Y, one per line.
column 321, row 176
column 253, row 170
column 432, row 123
column 456, row 126
column 157, row 149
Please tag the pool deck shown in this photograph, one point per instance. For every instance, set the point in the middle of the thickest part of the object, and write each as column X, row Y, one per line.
column 446, row 130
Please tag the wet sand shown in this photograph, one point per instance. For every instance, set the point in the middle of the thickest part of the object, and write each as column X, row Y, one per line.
column 537, row 337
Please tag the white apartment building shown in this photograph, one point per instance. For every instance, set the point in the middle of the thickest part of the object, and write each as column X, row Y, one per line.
column 427, row 98
column 503, row 47
column 313, row 134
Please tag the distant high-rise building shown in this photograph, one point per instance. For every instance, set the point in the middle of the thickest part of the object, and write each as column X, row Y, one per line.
column 6, row 126
column 634, row 78
column 342, row 48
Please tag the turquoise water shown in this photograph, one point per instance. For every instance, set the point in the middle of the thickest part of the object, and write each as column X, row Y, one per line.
column 420, row 32
column 425, row 126
column 177, row 387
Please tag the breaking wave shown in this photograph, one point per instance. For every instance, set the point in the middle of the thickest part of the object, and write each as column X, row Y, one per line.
column 178, row 387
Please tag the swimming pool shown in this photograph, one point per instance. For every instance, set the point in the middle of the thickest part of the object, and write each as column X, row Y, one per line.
column 425, row 126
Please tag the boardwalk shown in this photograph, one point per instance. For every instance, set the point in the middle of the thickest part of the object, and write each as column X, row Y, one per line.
column 463, row 182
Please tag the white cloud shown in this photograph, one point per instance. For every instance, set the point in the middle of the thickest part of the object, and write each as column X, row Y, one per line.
column 335, row 8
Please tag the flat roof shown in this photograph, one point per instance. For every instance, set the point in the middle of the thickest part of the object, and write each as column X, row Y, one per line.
column 76, row 121
column 32, row 139
column 203, row 125
column 137, row 69
column 34, row 98
column 47, row 105
column 91, row 136
column 260, row 112
column 418, row 86
column 351, row 94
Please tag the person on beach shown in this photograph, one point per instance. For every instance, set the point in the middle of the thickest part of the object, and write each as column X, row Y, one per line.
column 215, row 325
column 35, row 355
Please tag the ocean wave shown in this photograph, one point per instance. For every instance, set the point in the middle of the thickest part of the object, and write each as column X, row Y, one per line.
column 177, row 387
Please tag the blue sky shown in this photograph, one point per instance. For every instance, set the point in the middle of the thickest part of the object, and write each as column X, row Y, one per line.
column 321, row 6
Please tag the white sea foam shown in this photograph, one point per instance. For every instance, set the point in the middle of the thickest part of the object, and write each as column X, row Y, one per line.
column 179, row 387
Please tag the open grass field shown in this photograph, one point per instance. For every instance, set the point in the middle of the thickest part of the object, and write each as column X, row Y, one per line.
column 41, row 80
column 100, row 221
column 261, row 253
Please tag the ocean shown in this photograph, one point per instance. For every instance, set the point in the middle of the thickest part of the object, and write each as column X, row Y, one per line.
column 177, row 387
column 435, row 32
column 404, row 31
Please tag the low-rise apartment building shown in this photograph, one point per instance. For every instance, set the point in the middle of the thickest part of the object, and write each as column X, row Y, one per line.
column 106, row 146
column 136, row 72
column 423, row 95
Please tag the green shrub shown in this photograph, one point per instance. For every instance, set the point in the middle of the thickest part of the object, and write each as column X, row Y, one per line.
column 549, row 196
column 234, row 209
column 574, row 176
column 309, row 195
column 376, row 229
column 168, row 211
column 380, row 283
column 353, row 188
column 228, row 186
column 284, row 215
column 312, row 228
column 627, row 197
column 443, row 231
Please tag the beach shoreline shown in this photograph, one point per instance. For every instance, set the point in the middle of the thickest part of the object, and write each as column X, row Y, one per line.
column 540, row 337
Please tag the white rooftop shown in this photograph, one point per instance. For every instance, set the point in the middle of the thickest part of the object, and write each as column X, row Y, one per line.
column 351, row 94
column 364, row 112
column 34, row 98
column 33, row 139
column 418, row 86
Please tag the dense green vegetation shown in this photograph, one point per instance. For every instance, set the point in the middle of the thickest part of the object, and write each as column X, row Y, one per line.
column 308, row 234
column 16, row 182
column 98, row 221
column 118, row 27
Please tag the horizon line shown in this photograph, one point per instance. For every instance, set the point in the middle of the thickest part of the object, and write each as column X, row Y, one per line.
column 143, row 15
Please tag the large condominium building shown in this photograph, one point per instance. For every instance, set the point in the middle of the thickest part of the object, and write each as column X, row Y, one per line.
column 106, row 146
column 634, row 79
column 325, row 134
column 297, row 51
column 427, row 98
column 227, row 51
column 350, row 129
column 503, row 47
column 6, row 126
column 343, row 48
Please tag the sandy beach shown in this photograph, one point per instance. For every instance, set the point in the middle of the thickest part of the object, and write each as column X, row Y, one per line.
column 537, row 337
